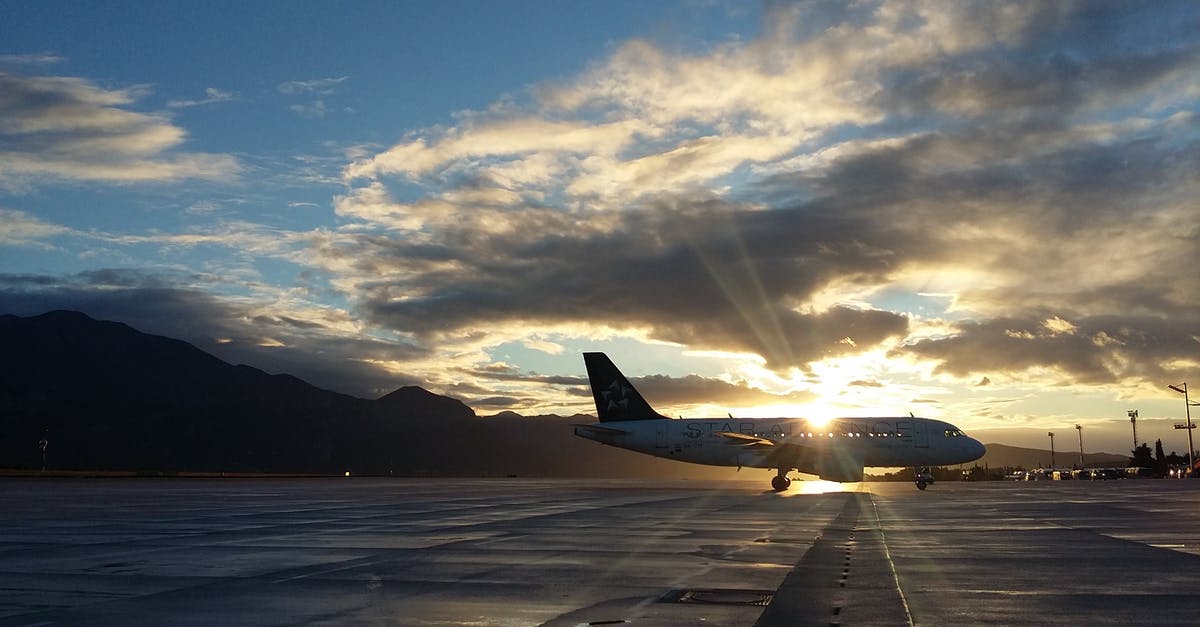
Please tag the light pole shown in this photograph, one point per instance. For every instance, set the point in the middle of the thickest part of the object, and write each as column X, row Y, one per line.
column 1133, row 421
column 1079, row 429
column 1051, row 434
column 1187, row 409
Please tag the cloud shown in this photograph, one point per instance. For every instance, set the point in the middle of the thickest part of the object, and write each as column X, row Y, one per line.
column 18, row 228
column 505, row 139
column 322, row 86
column 211, row 95
column 1109, row 349
column 70, row 128
column 756, row 197
column 663, row 391
column 248, row 240
column 316, row 108
column 42, row 58
column 321, row 345
column 526, row 265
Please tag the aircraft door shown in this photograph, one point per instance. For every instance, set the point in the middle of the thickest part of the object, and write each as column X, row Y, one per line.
column 660, row 434
column 920, row 434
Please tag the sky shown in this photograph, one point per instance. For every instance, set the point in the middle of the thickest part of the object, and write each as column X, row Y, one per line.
column 982, row 212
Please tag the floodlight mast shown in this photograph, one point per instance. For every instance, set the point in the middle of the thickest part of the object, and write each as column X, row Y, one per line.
column 1133, row 416
column 1079, row 428
column 1187, row 409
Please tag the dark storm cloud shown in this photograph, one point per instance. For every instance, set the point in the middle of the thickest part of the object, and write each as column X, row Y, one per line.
column 1090, row 350
column 715, row 276
column 1034, row 92
column 498, row 402
column 158, row 304
column 710, row 274
column 510, row 374
column 129, row 296
column 1066, row 57
column 1092, row 229
column 694, row 279
column 1013, row 142
column 286, row 321
column 664, row 391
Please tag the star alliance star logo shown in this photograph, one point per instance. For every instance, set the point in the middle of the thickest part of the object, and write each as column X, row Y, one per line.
column 617, row 396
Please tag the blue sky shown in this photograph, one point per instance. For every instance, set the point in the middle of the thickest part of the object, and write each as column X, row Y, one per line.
column 981, row 212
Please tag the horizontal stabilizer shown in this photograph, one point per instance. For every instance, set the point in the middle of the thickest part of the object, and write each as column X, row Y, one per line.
column 601, row 430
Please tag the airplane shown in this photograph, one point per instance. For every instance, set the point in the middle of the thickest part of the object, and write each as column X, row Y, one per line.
column 834, row 451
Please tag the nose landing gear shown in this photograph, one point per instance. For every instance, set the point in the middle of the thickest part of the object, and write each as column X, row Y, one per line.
column 780, row 482
column 923, row 477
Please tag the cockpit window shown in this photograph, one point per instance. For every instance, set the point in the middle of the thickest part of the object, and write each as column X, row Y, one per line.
column 954, row 433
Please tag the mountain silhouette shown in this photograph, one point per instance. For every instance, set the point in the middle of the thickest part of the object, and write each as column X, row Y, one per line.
column 108, row 397
column 1003, row 455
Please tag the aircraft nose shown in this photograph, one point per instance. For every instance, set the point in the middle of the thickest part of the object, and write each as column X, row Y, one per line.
column 976, row 449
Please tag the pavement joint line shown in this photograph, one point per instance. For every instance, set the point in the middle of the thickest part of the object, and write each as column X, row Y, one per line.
column 356, row 564
column 811, row 593
column 891, row 563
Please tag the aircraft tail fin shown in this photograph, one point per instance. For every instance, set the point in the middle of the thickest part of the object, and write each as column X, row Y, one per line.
column 615, row 396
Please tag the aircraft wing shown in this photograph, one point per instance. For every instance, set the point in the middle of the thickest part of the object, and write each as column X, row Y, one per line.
column 747, row 440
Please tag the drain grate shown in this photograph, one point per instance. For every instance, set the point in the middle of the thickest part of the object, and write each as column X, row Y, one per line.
column 719, row 596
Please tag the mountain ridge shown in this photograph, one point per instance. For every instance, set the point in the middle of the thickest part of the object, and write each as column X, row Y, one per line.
column 109, row 397
column 1004, row 455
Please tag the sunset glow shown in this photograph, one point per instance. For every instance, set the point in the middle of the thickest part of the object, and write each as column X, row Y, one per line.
column 978, row 212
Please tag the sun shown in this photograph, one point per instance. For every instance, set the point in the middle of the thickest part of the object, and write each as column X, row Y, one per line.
column 819, row 422
column 818, row 416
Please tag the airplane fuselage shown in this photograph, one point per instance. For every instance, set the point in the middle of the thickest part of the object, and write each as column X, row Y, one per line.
column 792, row 442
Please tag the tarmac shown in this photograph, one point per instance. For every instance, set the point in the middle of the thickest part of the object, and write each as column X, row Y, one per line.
column 596, row 552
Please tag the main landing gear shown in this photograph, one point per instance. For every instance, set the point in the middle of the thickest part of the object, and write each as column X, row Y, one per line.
column 780, row 482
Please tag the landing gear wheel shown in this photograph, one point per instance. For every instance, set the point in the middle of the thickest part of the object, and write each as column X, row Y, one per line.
column 922, row 476
column 780, row 483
